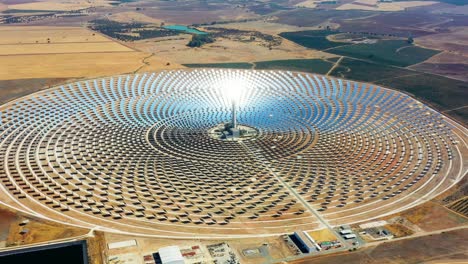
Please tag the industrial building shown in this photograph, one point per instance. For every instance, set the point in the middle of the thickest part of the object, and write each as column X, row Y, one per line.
column 305, row 242
column 171, row 255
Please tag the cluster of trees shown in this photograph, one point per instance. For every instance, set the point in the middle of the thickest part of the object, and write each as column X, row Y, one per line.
column 410, row 40
column 127, row 32
column 229, row 33
column 200, row 40
column 226, row 22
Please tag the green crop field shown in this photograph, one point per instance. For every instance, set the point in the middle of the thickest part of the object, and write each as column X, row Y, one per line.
column 367, row 71
column 303, row 65
column 314, row 39
column 441, row 92
column 233, row 65
column 392, row 52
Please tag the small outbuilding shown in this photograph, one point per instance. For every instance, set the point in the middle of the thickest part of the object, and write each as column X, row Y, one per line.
column 346, row 232
column 349, row 236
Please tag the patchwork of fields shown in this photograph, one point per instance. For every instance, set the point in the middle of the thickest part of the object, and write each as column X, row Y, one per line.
column 385, row 51
column 67, row 52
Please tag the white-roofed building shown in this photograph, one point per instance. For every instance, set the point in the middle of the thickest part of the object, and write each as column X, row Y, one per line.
column 171, row 255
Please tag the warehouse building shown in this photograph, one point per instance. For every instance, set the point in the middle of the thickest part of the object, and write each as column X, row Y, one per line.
column 305, row 242
column 171, row 255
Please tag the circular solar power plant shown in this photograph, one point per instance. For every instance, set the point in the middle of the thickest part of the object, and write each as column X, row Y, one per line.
column 145, row 154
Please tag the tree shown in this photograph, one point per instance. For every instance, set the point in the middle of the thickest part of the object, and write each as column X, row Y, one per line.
column 200, row 40
column 410, row 40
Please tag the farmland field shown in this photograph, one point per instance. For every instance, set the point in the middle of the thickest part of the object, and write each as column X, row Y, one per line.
column 392, row 52
column 302, row 65
column 453, row 2
column 62, row 48
column 444, row 93
column 67, row 52
column 56, row 6
column 232, row 65
column 78, row 65
column 398, row 23
column 305, row 17
column 314, row 39
column 54, row 40
column 460, row 206
column 375, row 5
column 37, row 34
column 305, row 65
column 367, row 71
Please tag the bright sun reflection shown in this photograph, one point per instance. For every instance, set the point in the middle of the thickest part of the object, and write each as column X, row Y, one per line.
column 233, row 87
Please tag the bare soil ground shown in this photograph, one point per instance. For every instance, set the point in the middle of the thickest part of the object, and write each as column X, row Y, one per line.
column 63, row 5
column 277, row 248
column 447, row 247
column 13, row 89
column 455, row 41
column 132, row 16
column 12, row 2
column 459, row 10
column 39, row 231
column 189, row 17
column 432, row 216
column 450, row 64
column 399, row 230
column 402, row 24
column 374, row 5
column 307, row 4
column 7, row 217
column 457, row 71
column 322, row 235
column 97, row 248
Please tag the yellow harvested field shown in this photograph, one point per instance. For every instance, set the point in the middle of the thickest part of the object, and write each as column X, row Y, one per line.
column 307, row 4
column 393, row 6
column 59, row 5
column 34, row 40
column 56, row 48
column 40, row 34
column 131, row 16
column 78, row 65
column 322, row 235
column 73, row 52
column 3, row 7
